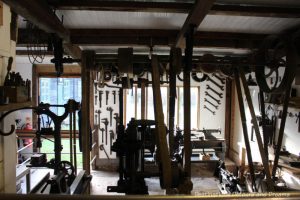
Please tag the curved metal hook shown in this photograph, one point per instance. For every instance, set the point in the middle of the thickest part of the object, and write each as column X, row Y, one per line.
column 12, row 127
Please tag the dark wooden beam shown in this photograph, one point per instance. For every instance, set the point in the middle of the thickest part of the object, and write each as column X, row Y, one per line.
column 176, row 7
column 194, row 18
column 39, row 13
column 145, row 37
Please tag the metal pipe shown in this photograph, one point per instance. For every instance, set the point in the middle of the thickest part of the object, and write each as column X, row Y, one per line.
column 74, row 142
column 71, row 138
column 187, row 101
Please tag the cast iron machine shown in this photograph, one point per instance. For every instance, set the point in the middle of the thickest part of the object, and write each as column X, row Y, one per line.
column 64, row 180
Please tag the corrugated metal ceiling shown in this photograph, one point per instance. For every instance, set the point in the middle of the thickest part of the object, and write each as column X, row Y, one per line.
column 150, row 20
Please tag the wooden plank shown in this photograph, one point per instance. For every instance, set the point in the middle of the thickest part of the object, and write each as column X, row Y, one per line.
column 160, row 126
column 195, row 17
column 85, row 107
column 1, row 13
column 228, row 109
column 12, row 106
column 245, row 128
column 265, row 162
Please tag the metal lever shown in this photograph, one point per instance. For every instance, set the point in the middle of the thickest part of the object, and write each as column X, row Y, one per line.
column 103, row 149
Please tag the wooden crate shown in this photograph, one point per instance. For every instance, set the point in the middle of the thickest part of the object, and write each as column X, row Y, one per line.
column 17, row 94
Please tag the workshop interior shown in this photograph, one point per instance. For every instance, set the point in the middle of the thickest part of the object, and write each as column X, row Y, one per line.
column 147, row 99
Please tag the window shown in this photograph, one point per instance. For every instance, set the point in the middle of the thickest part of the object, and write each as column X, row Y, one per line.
column 133, row 105
column 58, row 91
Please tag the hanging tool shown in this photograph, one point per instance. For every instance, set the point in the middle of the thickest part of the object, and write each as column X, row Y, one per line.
column 215, row 106
column 219, row 78
column 215, row 83
column 99, row 118
column 110, row 109
column 105, row 122
column 103, row 149
column 218, row 101
column 100, row 98
column 216, row 92
column 102, row 132
column 96, row 98
column 117, row 118
column 112, row 137
column 114, row 94
column 213, row 112
column 107, row 96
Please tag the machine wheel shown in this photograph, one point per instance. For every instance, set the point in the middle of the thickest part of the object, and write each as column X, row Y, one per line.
column 276, row 55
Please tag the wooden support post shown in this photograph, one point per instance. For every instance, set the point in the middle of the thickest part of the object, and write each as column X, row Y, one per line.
column 228, row 109
column 172, row 96
column 291, row 61
column 160, row 126
column 245, row 128
column 1, row 13
column 187, row 100
column 87, row 59
column 257, row 132
column 281, row 129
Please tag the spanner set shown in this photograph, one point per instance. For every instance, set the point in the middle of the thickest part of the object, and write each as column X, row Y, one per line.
column 214, row 93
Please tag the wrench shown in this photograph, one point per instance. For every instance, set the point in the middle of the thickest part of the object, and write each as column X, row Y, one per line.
column 216, row 107
column 218, row 101
column 105, row 122
column 213, row 90
column 107, row 96
column 219, row 78
column 117, row 118
column 100, row 98
column 110, row 109
column 102, row 132
column 103, row 149
column 213, row 112
column 99, row 119
column 216, row 84
column 114, row 94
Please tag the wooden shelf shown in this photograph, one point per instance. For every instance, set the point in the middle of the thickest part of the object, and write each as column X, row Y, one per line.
column 12, row 106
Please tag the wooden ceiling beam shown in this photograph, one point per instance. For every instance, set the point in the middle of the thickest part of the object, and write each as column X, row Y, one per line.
column 145, row 37
column 194, row 18
column 176, row 7
column 41, row 14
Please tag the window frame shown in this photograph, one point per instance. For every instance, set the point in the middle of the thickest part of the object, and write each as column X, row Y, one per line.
column 48, row 71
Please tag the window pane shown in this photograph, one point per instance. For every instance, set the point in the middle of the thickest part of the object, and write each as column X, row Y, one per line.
column 59, row 91
column 194, row 107
column 130, row 105
column 164, row 97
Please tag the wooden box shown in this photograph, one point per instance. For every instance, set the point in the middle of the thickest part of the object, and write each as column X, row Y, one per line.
column 15, row 94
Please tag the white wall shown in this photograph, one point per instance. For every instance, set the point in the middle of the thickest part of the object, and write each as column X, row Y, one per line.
column 291, row 134
column 7, row 143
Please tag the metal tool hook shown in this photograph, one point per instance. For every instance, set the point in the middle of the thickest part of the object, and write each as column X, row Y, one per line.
column 12, row 127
